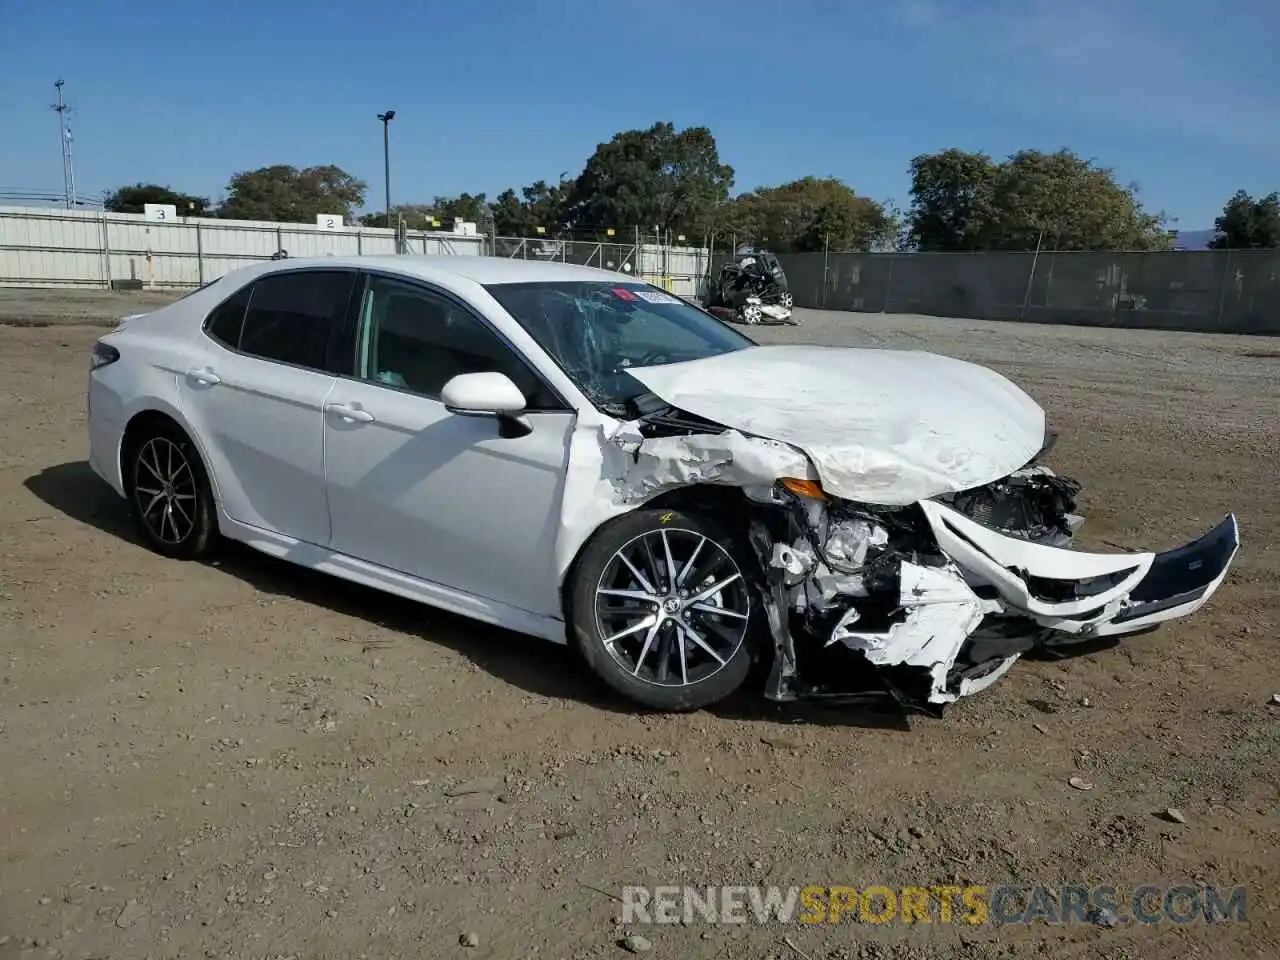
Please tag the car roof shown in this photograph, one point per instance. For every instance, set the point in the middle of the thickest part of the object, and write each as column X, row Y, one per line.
column 482, row 270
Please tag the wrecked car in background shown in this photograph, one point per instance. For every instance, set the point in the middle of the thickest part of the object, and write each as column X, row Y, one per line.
column 751, row 289
column 579, row 456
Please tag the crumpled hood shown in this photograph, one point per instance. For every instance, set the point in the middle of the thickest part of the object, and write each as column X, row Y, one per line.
column 881, row 426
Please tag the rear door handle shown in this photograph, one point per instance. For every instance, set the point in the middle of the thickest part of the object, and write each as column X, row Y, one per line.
column 349, row 413
column 204, row 376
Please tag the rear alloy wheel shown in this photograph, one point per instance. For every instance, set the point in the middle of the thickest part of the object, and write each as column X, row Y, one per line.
column 787, row 300
column 752, row 313
column 663, row 610
column 171, row 497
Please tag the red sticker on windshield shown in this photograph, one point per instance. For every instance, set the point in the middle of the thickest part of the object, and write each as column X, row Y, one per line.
column 622, row 293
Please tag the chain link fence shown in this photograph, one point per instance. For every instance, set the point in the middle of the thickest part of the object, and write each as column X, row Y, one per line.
column 622, row 257
column 1229, row 291
column 682, row 270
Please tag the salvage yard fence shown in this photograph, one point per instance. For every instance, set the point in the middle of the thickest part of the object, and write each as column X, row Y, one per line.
column 680, row 270
column 1229, row 291
column 1222, row 291
column 91, row 248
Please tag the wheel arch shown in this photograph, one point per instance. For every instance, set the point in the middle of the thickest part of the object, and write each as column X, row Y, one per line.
column 149, row 419
column 724, row 502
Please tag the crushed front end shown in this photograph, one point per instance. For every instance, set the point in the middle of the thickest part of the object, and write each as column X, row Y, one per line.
column 926, row 602
column 937, row 600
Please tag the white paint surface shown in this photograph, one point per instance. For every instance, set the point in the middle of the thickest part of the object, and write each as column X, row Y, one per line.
column 881, row 426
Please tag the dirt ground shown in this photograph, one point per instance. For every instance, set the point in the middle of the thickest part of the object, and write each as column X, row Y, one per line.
column 245, row 760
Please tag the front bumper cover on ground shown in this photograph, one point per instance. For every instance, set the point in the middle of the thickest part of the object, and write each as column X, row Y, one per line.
column 1177, row 583
column 1087, row 594
column 1051, row 596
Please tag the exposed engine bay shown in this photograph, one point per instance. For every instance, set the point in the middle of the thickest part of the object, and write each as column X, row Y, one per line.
column 874, row 581
column 926, row 602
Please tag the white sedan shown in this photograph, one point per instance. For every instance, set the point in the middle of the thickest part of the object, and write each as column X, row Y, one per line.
column 575, row 455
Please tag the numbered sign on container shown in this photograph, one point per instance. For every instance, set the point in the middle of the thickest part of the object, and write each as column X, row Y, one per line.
column 160, row 212
column 329, row 221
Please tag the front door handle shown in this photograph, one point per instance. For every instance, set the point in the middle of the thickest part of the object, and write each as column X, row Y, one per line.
column 204, row 376
column 355, row 414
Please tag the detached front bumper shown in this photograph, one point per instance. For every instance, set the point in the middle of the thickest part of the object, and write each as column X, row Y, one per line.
column 1178, row 583
column 1085, row 594
column 962, row 625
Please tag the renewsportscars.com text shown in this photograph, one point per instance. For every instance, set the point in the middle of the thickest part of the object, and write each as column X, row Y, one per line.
column 972, row 905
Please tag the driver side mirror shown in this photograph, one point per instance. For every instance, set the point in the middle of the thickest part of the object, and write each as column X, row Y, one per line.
column 489, row 394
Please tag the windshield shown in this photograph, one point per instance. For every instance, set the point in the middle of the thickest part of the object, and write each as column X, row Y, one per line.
column 596, row 330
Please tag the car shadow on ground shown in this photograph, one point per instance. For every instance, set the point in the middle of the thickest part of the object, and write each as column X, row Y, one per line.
column 532, row 665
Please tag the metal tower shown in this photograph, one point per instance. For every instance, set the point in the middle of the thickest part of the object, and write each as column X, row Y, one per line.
column 64, row 135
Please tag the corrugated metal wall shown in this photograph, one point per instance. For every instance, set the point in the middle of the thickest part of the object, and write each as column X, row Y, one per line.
column 83, row 248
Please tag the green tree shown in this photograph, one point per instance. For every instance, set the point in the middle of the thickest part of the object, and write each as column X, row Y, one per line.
column 659, row 177
column 285, row 194
column 508, row 214
column 416, row 216
column 133, row 199
column 897, row 235
column 1068, row 203
column 540, row 204
column 438, row 215
column 951, row 200
column 806, row 215
column 465, row 206
column 965, row 201
column 1248, row 224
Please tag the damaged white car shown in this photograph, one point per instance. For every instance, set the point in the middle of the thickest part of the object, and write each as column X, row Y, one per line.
column 576, row 455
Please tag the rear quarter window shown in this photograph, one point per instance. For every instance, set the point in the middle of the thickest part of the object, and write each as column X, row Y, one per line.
column 227, row 319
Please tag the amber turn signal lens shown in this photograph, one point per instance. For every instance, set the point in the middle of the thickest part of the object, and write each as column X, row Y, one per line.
column 805, row 488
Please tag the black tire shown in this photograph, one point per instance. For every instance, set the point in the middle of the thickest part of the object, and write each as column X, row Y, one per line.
column 709, row 676
column 178, row 534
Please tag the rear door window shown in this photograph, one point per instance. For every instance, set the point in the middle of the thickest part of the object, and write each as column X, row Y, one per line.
column 291, row 315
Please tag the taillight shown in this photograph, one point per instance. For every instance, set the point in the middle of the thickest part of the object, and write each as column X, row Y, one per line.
column 102, row 354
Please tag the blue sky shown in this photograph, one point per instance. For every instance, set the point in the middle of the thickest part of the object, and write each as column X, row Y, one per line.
column 1180, row 96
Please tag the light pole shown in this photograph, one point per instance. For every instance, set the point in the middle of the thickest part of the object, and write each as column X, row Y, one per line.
column 386, row 119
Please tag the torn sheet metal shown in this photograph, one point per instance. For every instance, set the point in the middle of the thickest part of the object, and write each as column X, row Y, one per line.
column 796, row 561
column 588, row 500
column 612, row 468
column 800, row 568
column 941, row 612
column 888, row 427
column 727, row 458
column 835, row 558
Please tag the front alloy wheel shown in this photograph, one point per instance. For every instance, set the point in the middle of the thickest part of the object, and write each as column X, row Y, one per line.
column 667, row 613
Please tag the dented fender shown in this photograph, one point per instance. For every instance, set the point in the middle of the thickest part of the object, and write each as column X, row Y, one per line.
column 613, row 469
